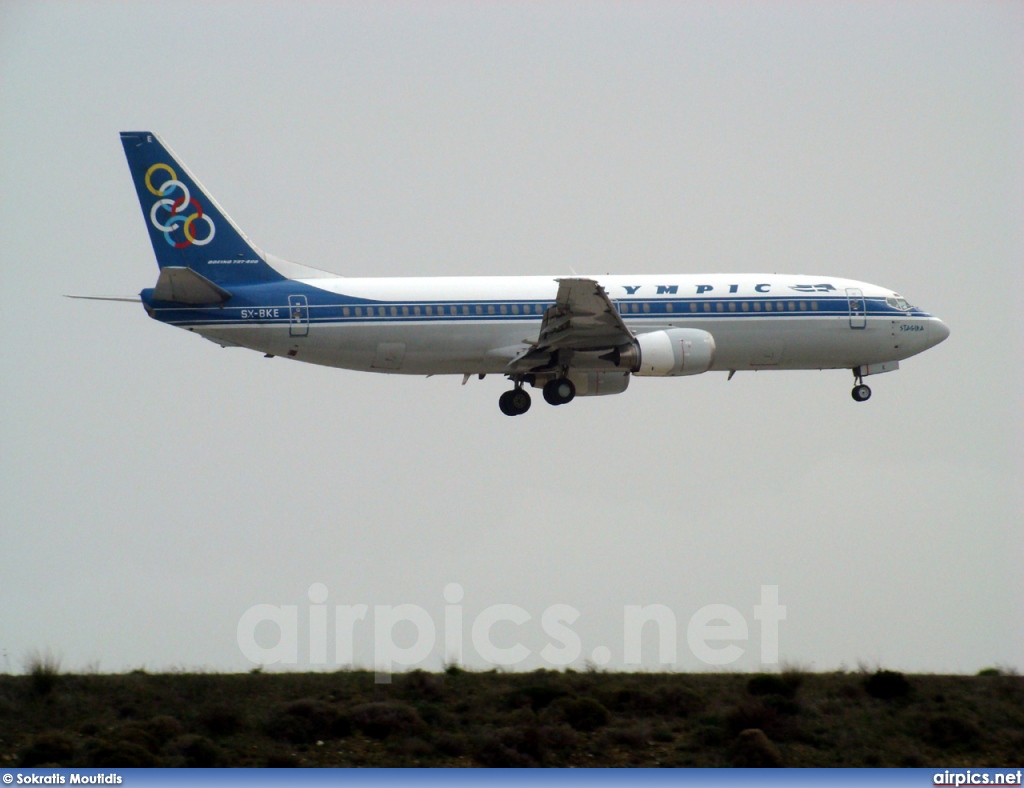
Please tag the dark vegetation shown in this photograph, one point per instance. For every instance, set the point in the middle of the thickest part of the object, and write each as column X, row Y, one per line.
column 545, row 718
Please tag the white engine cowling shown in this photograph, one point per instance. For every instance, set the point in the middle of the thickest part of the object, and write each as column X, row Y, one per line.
column 674, row 351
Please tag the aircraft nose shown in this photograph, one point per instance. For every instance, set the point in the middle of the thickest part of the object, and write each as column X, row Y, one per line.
column 937, row 332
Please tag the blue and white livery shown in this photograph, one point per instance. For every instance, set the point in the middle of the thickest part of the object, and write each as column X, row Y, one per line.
column 569, row 336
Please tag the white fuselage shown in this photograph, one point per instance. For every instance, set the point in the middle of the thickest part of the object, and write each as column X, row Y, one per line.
column 476, row 325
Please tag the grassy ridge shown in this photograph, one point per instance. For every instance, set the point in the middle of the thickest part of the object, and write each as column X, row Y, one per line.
column 461, row 718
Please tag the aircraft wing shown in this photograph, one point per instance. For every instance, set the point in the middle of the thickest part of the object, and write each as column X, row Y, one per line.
column 582, row 318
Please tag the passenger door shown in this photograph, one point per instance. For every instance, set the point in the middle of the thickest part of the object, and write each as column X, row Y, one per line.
column 298, row 316
column 858, row 309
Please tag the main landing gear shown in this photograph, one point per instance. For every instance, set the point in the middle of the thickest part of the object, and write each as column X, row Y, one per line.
column 515, row 402
column 861, row 392
column 559, row 391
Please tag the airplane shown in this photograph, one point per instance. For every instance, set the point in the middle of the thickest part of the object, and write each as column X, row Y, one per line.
column 569, row 336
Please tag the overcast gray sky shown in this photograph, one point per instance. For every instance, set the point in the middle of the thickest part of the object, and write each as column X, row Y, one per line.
column 153, row 486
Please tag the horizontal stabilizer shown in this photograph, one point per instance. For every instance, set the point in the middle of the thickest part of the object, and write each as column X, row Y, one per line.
column 184, row 286
column 130, row 299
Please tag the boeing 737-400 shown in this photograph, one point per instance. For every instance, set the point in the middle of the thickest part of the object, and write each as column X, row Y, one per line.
column 570, row 336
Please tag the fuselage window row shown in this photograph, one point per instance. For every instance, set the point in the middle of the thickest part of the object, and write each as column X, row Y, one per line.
column 538, row 309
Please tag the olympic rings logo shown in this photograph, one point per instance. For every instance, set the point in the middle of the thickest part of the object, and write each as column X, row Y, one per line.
column 177, row 209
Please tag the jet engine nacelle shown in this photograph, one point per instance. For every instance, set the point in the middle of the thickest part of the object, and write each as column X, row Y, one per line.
column 674, row 351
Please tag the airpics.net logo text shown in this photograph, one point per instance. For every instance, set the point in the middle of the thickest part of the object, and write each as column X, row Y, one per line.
column 716, row 634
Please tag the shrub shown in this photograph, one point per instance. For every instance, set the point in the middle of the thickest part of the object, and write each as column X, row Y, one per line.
column 197, row 751
column 634, row 737
column 662, row 734
column 752, row 715
column 953, row 733
column 753, row 749
column 410, row 746
column 222, row 721
column 537, row 696
column 887, row 685
column 490, row 750
column 583, row 714
column 528, row 745
column 305, row 721
column 163, row 728
column 451, row 744
column 283, row 760
column 557, row 740
column 630, row 699
column 386, row 718
column 677, row 701
column 52, row 747
column 44, row 672
column 786, row 707
column 770, row 684
column 419, row 684
column 121, row 754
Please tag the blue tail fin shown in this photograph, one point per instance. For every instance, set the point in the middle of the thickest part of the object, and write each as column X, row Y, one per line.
column 187, row 227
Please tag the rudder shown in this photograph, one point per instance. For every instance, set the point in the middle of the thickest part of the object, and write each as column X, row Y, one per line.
column 186, row 225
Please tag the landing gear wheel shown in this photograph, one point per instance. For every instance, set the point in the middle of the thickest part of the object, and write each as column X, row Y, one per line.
column 861, row 393
column 515, row 402
column 559, row 391
column 521, row 401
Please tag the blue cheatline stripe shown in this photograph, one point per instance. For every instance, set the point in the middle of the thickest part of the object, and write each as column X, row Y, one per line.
column 405, row 312
column 465, row 778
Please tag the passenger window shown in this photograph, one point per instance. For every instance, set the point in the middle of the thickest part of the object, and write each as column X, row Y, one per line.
column 814, row 306
column 380, row 311
column 668, row 307
column 429, row 310
column 515, row 309
column 490, row 309
column 732, row 306
column 416, row 310
column 792, row 306
column 479, row 309
column 803, row 306
column 465, row 310
column 720, row 306
column 504, row 309
column 346, row 311
column 647, row 307
column 707, row 306
column 359, row 311
column 767, row 306
column 757, row 306
column 781, row 306
column 405, row 311
column 693, row 306
column 746, row 306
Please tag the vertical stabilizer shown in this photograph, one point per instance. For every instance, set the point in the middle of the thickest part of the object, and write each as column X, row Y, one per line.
column 186, row 225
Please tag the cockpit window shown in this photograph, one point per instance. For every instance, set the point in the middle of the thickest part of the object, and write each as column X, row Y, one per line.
column 898, row 302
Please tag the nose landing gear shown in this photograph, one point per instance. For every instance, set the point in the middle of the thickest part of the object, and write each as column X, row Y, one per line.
column 861, row 392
